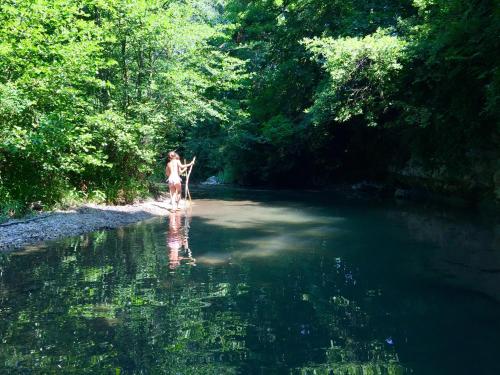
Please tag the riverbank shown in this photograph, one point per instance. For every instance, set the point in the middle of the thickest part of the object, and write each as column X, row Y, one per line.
column 86, row 218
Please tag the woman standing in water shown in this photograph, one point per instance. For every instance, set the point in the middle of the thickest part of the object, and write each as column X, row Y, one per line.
column 173, row 171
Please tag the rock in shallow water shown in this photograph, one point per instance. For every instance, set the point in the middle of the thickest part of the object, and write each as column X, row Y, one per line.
column 212, row 180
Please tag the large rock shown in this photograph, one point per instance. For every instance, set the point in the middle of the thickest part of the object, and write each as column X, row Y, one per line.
column 212, row 180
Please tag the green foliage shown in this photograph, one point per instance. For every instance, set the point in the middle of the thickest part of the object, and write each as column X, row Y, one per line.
column 278, row 130
column 362, row 76
column 277, row 38
column 423, row 71
column 454, row 81
column 92, row 93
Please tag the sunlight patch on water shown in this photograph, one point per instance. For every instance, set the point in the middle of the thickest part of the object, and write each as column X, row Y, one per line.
column 213, row 259
column 263, row 231
column 248, row 214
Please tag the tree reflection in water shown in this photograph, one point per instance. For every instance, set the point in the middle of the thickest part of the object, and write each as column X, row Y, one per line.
column 130, row 301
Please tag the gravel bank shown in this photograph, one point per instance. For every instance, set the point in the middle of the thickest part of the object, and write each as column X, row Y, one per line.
column 87, row 218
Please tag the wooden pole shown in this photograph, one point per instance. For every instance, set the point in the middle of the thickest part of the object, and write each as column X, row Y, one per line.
column 186, row 190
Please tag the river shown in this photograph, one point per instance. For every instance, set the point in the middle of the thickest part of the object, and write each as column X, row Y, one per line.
column 261, row 282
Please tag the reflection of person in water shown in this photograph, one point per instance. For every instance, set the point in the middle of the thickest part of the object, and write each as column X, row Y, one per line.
column 177, row 241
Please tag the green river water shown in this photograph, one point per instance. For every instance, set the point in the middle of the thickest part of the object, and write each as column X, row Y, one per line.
column 260, row 282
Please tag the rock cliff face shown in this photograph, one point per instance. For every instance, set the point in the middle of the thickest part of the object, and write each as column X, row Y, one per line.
column 477, row 180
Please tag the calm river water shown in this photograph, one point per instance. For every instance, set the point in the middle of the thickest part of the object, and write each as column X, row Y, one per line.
column 261, row 282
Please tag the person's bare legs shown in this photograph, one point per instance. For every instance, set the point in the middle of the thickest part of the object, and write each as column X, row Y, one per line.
column 172, row 190
column 177, row 196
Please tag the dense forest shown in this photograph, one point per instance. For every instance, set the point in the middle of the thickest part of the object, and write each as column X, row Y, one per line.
column 94, row 93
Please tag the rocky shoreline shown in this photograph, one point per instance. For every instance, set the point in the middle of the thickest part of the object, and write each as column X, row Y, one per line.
column 15, row 234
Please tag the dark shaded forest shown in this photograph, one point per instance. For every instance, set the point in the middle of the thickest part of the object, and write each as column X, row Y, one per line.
column 297, row 93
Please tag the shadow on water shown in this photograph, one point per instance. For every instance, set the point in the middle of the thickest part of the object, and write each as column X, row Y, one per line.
column 465, row 253
column 257, row 283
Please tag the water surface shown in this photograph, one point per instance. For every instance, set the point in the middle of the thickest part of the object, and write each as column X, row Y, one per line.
column 260, row 282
